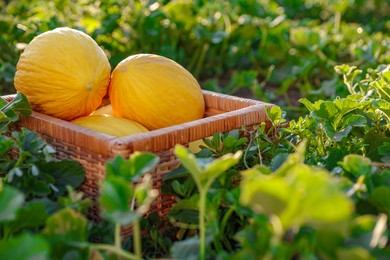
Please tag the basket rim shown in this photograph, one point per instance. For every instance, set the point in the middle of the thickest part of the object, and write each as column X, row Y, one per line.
column 251, row 112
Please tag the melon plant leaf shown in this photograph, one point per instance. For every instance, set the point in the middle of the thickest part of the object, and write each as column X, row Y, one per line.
column 119, row 166
column 327, row 111
column 115, row 197
column 383, row 106
column 24, row 220
column 309, row 105
column 375, row 139
column 186, row 211
column 297, row 157
column 340, row 135
column 326, row 205
column 189, row 161
column 10, row 111
column 354, row 120
column 6, row 143
column 11, row 200
column 66, row 225
column 65, row 173
column 262, row 193
column 25, row 246
column 178, row 172
column 278, row 160
column 219, row 166
column 384, row 151
column 186, row 249
column 133, row 168
column 380, row 198
column 284, row 194
column 275, row 115
column 21, row 105
column 142, row 163
column 356, row 165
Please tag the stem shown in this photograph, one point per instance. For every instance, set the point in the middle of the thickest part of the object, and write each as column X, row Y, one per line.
column 202, row 226
column 137, row 239
column 226, row 218
column 118, row 241
column 118, row 251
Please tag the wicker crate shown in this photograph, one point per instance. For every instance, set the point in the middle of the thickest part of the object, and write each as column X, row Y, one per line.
column 93, row 149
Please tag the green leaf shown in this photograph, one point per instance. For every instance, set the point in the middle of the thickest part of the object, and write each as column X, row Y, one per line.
column 65, row 173
column 219, row 166
column 25, row 247
column 24, row 217
column 186, row 249
column 21, row 105
column 229, row 142
column 343, row 69
column 383, row 106
column 189, row 161
column 275, row 115
column 354, row 120
column 264, row 194
column 384, row 151
column 139, row 163
column 66, row 225
column 380, row 198
column 374, row 140
column 340, row 135
column 5, row 144
column 115, row 197
column 297, row 157
column 119, row 166
column 326, row 205
column 186, row 211
column 278, row 160
column 356, row 165
column 296, row 193
column 10, row 111
column 310, row 106
column 327, row 110
column 11, row 200
column 142, row 163
column 176, row 173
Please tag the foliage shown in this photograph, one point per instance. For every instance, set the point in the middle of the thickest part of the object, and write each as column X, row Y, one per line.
column 264, row 49
column 313, row 187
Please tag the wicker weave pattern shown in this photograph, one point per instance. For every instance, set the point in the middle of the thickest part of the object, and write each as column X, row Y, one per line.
column 92, row 149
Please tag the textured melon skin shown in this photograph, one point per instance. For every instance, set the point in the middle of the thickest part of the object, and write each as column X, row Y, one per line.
column 104, row 110
column 155, row 91
column 111, row 125
column 63, row 73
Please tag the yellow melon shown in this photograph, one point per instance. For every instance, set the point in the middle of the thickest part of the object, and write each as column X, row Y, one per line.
column 104, row 110
column 111, row 125
column 63, row 73
column 155, row 91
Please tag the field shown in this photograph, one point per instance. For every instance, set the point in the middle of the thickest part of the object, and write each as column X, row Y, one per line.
column 315, row 185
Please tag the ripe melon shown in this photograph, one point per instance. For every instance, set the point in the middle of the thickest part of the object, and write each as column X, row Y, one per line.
column 155, row 91
column 111, row 125
column 63, row 73
column 104, row 110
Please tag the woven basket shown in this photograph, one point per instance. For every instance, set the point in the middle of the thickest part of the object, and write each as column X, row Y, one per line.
column 93, row 149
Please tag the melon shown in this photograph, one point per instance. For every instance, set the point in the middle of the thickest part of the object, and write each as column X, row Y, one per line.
column 64, row 73
column 104, row 110
column 155, row 91
column 111, row 125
